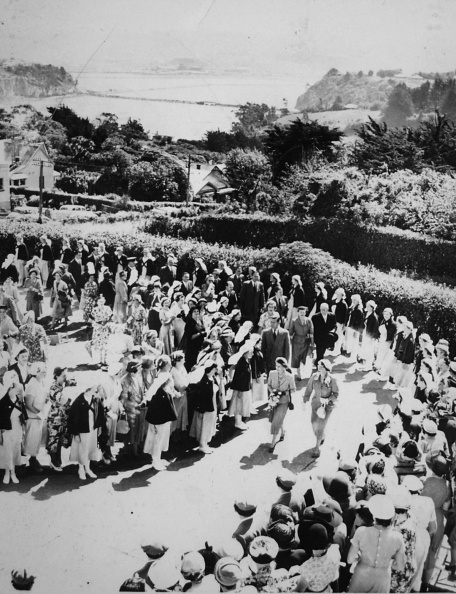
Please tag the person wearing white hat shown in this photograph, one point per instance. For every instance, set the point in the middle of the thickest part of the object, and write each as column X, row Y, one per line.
column 35, row 400
column 90, row 292
column 241, row 400
column 354, row 327
column 302, row 340
column 432, row 439
column 101, row 316
column 204, row 423
column 137, row 318
column 57, row 436
column 267, row 316
column 374, row 547
column 405, row 524
column 405, row 356
column 423, row 509
column 281, row 386
column 161, row 412
column 60, row 300
column 12, row 417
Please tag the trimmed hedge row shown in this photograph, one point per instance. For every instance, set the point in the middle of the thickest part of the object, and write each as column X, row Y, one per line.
column 431, row 307
column 385, row 248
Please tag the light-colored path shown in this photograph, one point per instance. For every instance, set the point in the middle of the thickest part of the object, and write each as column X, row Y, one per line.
column 84, row 536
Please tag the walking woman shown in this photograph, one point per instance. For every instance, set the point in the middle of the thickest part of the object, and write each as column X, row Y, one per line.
column 86, row 416
column 180, row 378
column 370, row 336
column 34, row 338
column 134, row 405
column 405, row 524
column 36, row 397
column 204, row 421
column 296, row 299
column 355, row 325
column 179, row 309
column 281, row 386
column 323, row 390
column 166, row 330
column 121, row 298
column 340, row 310
column 12, row 417
column 258, row 372
column 35, row 293
column 101, row 317
column 302, row 340
column 241, row 400
column 194, row 335
column 321, row 296
column 161, row 412
column 90, row 293
column 57, row 419
column 375, row 548
column 60, row 300
column 137, row 318
column 386, row 330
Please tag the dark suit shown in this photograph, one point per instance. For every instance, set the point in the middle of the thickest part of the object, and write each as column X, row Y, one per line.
column 167, row 275
column 322, row 329
column 251, row 300
column 237, row 282
column 275, row 347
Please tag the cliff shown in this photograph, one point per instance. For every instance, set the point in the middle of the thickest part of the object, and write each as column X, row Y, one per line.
column 34, row 80
column 336, row 90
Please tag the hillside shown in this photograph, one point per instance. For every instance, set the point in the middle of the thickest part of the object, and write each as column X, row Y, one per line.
column 34, row 80
column 366, row 92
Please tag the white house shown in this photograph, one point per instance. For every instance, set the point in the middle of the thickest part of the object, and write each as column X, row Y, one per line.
column 4, row 187
column 207, row 180
column 24, row 160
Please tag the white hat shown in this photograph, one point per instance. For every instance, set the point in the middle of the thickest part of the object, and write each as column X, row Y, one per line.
column 90, row 268
column 401, row 497
column 412, row 483
column 381, row 507
column 430, row 427
column 243, row 331
column 115, row 367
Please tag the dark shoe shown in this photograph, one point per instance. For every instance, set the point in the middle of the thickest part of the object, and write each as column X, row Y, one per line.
column 272, row 448
column 35, row 465
column 282, row 437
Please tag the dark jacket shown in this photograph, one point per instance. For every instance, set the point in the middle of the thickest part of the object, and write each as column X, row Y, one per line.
column 251, row 300
column 391, row 328
column 406, row 350
column 108, row 290
column 242, row 378
column 161, row 408
column 322, row 328
column 355, row 319
column 6, row 408
column 299, row 298
column 78, row 415
column 167, row 275
column 257, row 364
column 22, row 252
column 204, row 395
column 9, row 272
column 341, row 312
column 371, row 325
column 24, row 381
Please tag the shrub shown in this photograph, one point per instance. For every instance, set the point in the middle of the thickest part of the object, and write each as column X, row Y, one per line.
column 431, row 307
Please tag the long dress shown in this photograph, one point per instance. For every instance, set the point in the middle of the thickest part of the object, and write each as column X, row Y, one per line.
column 84, row 447
column 12, row 292
column 284, row 384
column 60, row 300
column 178, row 322
column 322, row 392
column 437, row 489
column 10, row 449
column 33, row 303
column 401, row 581
column 374, row 548
column 57, row 421
column 424, row 510
column 132, row 398
column 36, row 395
column 137, row 321
column 241, row 384
column 204, row 425
column 180, row 377
column 35, row 340
column 101, row 316
column 120, row 301
column 90, row 299
column 166, row 331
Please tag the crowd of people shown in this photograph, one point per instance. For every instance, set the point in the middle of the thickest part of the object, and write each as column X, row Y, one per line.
column 179, row 354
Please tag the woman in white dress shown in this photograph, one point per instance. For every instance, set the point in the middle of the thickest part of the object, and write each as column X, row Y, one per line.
column 36, row 396
column 12, row 416
column 85, row 417
column 180, row 378
column 179, row 309
column 166, row 319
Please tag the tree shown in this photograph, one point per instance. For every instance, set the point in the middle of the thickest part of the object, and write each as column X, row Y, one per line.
column 370, row 73
column 74, row 125
column 75, row 182
column 106, row 125
column 249, row 172
column 399, row 106
column 133, row 130
column 81, row 148
column 252, row 117
column 338, row 104
column 299, row 142
column 158, row 181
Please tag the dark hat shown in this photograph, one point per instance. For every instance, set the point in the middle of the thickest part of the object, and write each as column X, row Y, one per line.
column 323, row 512
column 245, row 508
column 318, row 537
column 283, row 533
column 281, row 512
column 437, row 462
column 286, row 480
column 337, row 485
column 263, row 549
column 132, row 366
column 154, row 549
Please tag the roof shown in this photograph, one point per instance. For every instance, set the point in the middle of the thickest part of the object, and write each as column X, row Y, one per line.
column 207, row 178
column 18, row 176
column 23, row 150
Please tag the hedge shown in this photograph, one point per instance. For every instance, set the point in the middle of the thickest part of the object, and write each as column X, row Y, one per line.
column 385, row 248
column 431, row 307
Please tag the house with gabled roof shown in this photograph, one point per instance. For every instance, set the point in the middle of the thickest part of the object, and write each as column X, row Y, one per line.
column 24, row 160
column 208, row 180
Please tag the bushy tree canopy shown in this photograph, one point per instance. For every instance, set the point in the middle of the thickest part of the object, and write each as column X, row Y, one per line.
column 249, row 172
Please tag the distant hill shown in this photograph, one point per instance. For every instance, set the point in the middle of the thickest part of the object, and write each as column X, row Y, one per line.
column 356, row 90
column 34, row 80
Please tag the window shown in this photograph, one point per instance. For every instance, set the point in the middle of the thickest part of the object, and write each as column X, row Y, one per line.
column 2, row 184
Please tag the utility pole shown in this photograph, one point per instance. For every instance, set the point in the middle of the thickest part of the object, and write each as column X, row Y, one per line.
column 188, row 181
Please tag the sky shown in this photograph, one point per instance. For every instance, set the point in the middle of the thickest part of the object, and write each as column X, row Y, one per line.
column 307, row 36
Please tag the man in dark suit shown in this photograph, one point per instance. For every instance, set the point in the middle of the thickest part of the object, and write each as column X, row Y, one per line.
column 275, row 342
column 230, row 295
column 237, row 279
column 251, row 299
column 187, row 284
column 119, row 262
column 168, row 273
column 76, row 269
column 324, row 330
